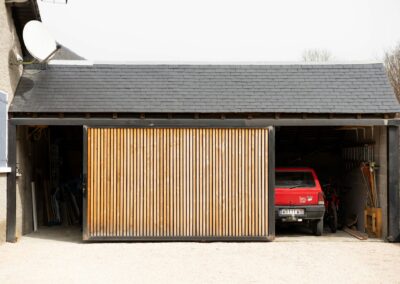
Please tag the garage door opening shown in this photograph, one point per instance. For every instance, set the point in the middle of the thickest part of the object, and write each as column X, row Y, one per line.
column 55, row 177
column 142, row 184
column 350, row 163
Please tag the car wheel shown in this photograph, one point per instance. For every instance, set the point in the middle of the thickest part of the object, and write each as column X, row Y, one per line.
column 319, row 227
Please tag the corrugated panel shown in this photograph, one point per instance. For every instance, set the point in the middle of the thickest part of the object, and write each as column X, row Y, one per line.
column 177, row 183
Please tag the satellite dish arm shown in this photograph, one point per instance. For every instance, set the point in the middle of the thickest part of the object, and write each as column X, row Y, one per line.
column 58, row 46
column 21, row 62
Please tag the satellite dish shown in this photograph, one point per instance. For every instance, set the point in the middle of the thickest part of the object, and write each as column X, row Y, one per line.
column 38, row 41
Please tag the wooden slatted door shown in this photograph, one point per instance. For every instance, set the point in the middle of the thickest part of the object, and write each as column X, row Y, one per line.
column 176, row 184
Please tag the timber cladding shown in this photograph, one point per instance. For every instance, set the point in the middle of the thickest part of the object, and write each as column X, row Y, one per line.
column 176, row 183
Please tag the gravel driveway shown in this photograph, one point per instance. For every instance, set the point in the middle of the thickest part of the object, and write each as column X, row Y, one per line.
column 55, row 256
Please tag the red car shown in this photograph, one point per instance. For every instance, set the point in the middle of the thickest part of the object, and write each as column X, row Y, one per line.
column 299, row 197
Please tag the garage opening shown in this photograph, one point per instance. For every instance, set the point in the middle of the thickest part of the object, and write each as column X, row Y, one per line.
column 54, row 175
column 116, row 184
column 155, row 198
column 350, row 164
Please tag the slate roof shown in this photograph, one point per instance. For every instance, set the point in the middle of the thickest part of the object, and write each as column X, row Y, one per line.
column 297, row 88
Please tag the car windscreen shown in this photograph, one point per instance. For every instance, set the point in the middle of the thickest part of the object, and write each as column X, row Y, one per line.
column 294, row 179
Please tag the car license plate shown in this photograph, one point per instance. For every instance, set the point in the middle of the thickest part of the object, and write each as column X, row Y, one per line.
column 291, row 212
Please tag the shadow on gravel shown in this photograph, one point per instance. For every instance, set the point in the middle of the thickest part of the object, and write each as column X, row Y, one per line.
column 58, row 233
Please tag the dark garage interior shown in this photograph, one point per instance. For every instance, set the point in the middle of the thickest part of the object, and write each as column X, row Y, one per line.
column 347, row 160
column 57, row 174
column 336, row 153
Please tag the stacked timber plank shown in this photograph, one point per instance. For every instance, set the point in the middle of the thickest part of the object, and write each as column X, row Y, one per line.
column 52, row 209
column 61, row 205
column 372, row 212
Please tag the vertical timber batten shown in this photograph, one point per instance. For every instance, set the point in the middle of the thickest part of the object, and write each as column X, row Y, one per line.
column 178, row 184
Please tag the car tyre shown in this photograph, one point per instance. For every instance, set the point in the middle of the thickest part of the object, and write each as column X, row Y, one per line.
column 319, row 227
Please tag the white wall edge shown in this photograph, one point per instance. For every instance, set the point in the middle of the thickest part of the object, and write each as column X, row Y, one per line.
column 5, row 170
column 71, row 62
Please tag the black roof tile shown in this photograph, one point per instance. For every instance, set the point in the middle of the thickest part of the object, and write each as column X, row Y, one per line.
column 325, row 88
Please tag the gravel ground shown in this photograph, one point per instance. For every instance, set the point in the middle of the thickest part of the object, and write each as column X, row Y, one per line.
column 58, row 256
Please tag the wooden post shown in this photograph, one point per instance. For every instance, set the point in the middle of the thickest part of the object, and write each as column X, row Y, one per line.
column 271, row 182
column 11, row 184
column 393, row 184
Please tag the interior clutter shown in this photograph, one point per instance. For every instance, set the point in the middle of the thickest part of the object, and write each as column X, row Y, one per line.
column 345, row 161
column 57, row 174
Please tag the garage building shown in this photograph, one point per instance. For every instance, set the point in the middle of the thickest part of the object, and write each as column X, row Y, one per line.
column 188, row 152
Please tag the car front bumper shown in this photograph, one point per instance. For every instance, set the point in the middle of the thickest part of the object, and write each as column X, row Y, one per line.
column 311, row 212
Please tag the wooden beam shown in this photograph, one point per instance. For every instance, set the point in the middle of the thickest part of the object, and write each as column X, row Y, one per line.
column 203, row 122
